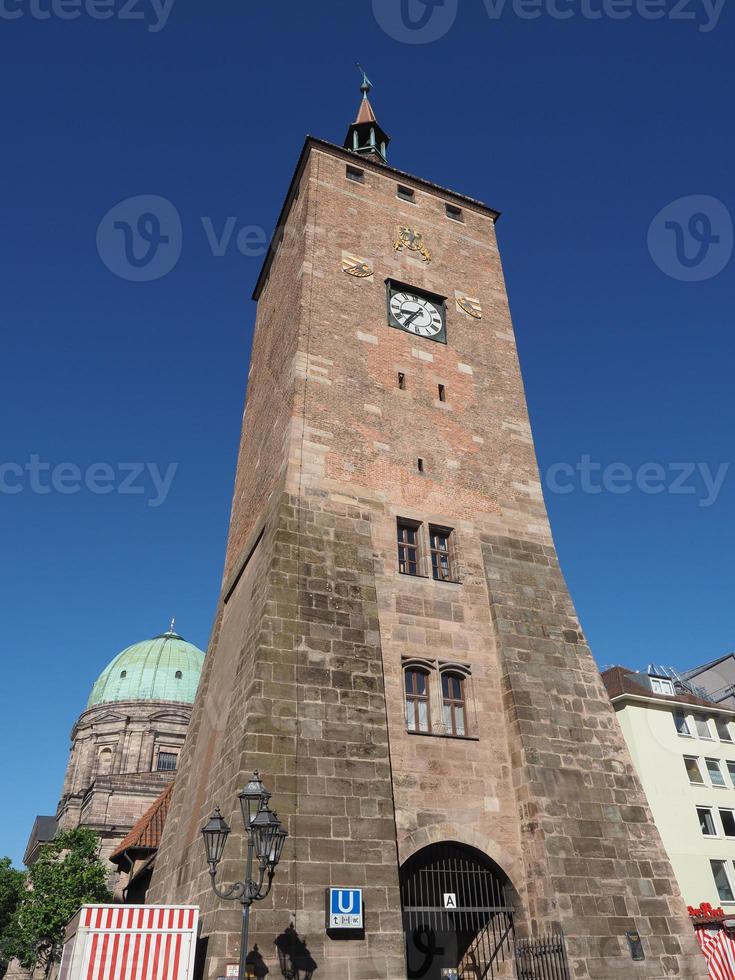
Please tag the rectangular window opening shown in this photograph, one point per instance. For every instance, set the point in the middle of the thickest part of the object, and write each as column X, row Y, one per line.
column 405, row 193
column 453, row 704
column 401, row 380
column 691, row 765
column 731, row 771
column 681, row 723
column 723, row 732
column 702, row 726
column 408, row 548
column 706, row 822
column 454, row 212
column 722, row 882
column 420, row 465
column 167, row 761
column 417, row 700
column 441, row 558
column 714, row 772
column 354, row 173
column 442, row 393
column 728, row 822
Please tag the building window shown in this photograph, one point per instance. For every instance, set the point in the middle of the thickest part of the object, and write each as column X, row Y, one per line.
column 123, row 673
column 731, row 771
column 405, row 193
column 714, row 772
column 722, row 882
column 420, row 465
column 354, row 173
column 167, row 761
column 706, row 823
column 104, row 762
column 681, row 723
column 417, row 700
column 693, row 771
column 178, row 675
column 442, row 393
column 453, row 708
column 723, row 732
column 441, row 565
column 728, row 822
column 408, row 548
column 454, row 212
column 661, row 686
column 702, row 726
column 401, row 380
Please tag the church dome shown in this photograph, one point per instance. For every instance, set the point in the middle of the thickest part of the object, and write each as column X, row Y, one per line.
column 166, row 668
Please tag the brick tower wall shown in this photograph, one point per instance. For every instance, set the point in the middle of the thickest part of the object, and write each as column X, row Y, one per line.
column 304, row 677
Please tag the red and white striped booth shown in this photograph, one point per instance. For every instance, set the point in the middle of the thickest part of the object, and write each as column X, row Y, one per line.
column 130, row 942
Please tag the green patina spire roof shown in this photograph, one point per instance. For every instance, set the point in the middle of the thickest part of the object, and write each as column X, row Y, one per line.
column 166, row 668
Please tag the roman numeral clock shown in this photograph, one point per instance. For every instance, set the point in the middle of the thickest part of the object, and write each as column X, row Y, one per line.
column 416, row 311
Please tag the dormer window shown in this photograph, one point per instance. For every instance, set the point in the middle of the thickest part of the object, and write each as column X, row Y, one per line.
column 662, row 685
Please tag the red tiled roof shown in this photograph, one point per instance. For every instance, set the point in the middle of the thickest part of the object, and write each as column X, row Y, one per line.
column 620, row 680
column 146, row 834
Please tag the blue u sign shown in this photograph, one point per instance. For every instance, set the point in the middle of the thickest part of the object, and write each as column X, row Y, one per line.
column 345, row 908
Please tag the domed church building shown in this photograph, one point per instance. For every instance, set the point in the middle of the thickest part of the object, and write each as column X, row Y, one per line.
column 126, row 743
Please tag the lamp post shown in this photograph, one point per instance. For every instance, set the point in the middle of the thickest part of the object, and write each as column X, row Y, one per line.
column 266, row 838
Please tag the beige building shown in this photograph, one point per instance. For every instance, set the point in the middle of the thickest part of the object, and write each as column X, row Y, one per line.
column 684, row 750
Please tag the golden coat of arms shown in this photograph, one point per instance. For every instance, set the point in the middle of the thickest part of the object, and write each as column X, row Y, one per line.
column 470, row 305
column 413, row 241
column 353, row 265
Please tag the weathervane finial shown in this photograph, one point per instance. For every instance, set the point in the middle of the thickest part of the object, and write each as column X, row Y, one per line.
column 366, row 83
column 173, row 623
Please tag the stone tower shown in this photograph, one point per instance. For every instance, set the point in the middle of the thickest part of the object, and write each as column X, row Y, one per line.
column 395, row 648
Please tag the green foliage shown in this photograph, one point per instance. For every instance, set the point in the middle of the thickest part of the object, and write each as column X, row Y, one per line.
column 12, row 886
column 66, row 874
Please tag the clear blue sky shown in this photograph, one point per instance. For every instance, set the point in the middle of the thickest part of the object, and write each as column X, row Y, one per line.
column 579, row 130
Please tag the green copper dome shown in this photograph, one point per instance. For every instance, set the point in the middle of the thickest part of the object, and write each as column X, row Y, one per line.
column 166, row 668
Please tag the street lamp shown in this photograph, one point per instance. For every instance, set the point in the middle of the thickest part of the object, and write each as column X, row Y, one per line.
column 266, row 838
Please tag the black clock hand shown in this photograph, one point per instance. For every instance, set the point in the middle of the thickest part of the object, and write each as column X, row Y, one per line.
column 411, row 318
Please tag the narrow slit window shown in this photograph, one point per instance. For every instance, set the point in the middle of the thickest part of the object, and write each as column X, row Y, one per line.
column 408, row 548
column 401, row 380
column 442, row 393
column 454, row 212
column 420, row 465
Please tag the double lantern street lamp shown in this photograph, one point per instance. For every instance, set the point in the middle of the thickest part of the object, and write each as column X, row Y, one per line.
column 266, row 838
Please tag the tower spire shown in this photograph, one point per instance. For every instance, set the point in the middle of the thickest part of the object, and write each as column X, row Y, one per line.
column 365, row 136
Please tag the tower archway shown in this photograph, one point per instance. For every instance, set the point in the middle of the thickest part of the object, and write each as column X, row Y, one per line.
column 457, row 914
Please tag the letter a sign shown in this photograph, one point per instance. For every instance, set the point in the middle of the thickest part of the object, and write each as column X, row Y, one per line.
column 344, row 908
column 450, row 900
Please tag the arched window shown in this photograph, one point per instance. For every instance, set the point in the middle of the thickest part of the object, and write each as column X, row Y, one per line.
column 417, row 699
column 178, row 675
column 104, row 762
column 453, row 704
column 123, row 673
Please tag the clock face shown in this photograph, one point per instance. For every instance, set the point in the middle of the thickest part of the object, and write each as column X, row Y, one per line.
column 416, row 314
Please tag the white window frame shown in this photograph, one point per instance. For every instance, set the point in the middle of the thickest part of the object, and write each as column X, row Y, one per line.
column 722, row 721
column 682, row 715
column 662, row 685
column 716, row 763
column 720, row 811
column 728, row 874
column 695, row 760
column 730, row 772
column 708, row 809
column 703, row 718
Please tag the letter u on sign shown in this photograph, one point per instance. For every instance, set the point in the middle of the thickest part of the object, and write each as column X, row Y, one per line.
column 345, row 908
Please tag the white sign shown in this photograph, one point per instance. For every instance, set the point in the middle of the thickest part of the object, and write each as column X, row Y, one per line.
column 345, row 908
column 450, row 900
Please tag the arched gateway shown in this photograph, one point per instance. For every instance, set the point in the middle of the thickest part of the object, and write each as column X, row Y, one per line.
column 457, row 918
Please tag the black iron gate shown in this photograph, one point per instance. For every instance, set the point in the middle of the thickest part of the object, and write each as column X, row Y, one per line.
column 457, row 921
column 542, row 958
